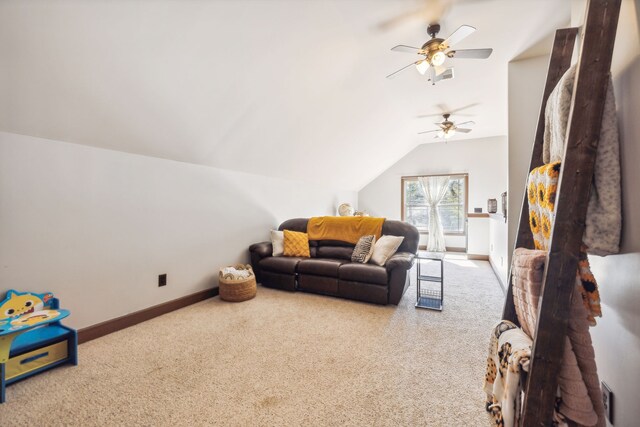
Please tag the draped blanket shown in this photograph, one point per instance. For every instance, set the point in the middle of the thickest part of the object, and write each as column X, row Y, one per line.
column 344, row 228
column 541, row 194
column 578, row 381
column 604, row 217
column 509, row 354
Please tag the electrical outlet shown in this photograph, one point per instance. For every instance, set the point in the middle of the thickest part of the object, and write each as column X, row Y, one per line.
column 162, row 280
column 492, row 247
column 501, row 261
column 607, row 399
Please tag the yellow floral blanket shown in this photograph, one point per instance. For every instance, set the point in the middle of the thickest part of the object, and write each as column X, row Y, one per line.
column 344, row 228
column 541, row 193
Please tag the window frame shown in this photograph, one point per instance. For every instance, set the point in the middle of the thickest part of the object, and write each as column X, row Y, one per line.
column 403, row 179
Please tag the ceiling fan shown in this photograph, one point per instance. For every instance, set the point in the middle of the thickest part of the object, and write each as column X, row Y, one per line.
column 437, row 50
column 448, row 128
column 445, row 109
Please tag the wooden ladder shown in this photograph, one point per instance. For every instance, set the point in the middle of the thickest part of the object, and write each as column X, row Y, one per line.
column 576, row 175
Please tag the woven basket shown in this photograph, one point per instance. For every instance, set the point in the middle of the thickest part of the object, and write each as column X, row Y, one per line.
column 236, row 290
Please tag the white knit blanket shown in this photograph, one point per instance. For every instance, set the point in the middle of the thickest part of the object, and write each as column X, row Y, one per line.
column 235, row 273
column 604, row 217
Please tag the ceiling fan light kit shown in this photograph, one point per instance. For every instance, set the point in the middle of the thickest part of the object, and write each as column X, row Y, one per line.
column 437, row 50
column 422, row 66
column 447, row 128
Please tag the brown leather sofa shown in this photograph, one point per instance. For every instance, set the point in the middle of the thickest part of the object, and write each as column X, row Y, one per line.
column 330, row 271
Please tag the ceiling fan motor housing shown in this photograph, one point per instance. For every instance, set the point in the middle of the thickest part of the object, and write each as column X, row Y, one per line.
column 433, row 29
column 432, row 47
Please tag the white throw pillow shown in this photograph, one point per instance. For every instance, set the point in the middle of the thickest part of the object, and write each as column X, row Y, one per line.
column 384, row 248
column 277, row 241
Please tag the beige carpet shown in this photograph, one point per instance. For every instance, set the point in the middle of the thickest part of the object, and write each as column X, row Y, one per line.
column 281, row 359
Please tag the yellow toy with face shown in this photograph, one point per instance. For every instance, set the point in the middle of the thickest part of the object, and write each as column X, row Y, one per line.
column 18, row 304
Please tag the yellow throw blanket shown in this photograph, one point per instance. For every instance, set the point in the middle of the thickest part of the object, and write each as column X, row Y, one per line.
column 541, row 192
column 344, row 228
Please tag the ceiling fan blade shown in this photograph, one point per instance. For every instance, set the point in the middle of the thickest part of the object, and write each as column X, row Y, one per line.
column 422, row 116
column 428, row 131
column 447, row 74
column 469, row 123
column 445, row 109
column 399, row 20
column 470, row 53
column 432, row 76
column 405, row 48
column 431, row 11
column 456, row 110
column 458, row 35
column 401, row 69
column 463, row 130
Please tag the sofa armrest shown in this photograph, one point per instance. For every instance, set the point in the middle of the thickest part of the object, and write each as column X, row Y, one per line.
column 401, row 260
column 262, row 249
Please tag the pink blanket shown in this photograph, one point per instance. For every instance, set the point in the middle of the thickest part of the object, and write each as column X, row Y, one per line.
column 578, row 379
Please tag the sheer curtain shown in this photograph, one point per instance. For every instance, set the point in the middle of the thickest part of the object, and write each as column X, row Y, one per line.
column 435, row 188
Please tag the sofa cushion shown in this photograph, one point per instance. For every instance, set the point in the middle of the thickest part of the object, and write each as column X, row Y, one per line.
column 322, row 285
column 280, row 264
column 333, row 243
column 340, row 252
column 365, row 273
column 262, row 249
column 320, row 266
column 363, row 291
column 282, row 281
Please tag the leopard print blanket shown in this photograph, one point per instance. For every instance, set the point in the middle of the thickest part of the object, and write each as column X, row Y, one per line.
column 509, row 353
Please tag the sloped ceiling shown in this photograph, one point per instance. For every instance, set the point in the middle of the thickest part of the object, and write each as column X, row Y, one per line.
column 287, row 88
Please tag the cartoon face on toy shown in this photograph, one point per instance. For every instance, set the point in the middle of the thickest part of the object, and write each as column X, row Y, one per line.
column 18, row 304
column 35, row 318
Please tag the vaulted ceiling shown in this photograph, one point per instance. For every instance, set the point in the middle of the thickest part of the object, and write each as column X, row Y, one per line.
column 287, row 88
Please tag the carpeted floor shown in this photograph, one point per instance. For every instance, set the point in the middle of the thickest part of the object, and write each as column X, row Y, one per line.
column 281, row 359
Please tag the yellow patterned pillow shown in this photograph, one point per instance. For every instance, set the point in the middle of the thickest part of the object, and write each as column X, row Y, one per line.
column 296, row 244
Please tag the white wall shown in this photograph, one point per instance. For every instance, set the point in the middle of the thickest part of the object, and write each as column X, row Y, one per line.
column 478, row 230
column 498, row 250
column 617, row 336
column 96, row 227
column 485, row 160
column 526, row 84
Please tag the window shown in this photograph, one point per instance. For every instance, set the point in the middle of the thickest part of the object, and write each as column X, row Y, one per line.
column 453, row 208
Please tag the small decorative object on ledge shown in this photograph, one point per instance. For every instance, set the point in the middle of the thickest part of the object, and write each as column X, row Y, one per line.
column 345, row 209
column 361, row 213
column 492, row 206
column 477, row 210
column 237, row 283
